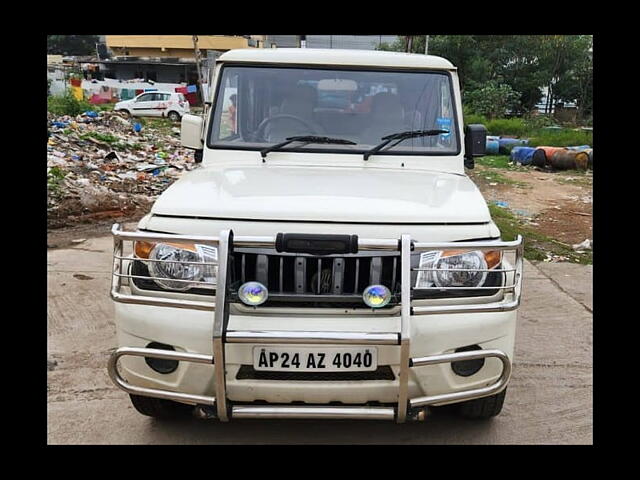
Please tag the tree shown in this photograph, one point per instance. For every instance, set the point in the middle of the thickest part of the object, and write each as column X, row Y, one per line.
column 72, row 44
column 525, row 63
column 493, row 100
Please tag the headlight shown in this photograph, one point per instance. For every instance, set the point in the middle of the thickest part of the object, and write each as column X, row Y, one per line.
column 456, row 268
column 180, row 261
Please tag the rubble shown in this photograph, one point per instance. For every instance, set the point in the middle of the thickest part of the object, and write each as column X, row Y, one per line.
column 98, row 162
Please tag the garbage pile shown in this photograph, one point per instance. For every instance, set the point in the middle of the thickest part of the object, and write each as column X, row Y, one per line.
column 103, row 165
column 556, row 158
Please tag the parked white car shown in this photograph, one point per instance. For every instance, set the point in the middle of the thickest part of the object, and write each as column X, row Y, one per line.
column 328, row 259
column 156, row 104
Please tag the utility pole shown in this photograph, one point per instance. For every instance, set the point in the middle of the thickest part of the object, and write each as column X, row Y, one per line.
column 409, row 43
column 426, row 45
column 198, row 58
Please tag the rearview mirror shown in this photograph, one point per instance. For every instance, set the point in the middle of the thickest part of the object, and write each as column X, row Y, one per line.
column 475, row 143
column 191, row 132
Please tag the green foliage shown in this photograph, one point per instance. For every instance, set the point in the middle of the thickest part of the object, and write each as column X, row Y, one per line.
column 527, row 63
column 103, row 137
column 495, row 161
column 492, row 100
column 55, row 175
column 507, row 126
column 561, row 138
column 67, row 105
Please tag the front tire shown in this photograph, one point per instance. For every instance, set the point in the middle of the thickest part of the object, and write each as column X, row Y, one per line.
column 483, row 408
column 159, row 408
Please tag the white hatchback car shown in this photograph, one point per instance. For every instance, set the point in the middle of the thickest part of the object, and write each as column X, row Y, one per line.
column 155, row 104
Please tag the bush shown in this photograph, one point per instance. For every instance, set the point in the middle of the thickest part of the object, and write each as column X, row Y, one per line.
column 67, row 105
column 470, row 118
column 506, row 126
column 561, row 138
column 492, row 100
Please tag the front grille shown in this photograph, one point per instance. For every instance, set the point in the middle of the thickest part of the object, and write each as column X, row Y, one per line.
column 247, row 372
column 328, row 280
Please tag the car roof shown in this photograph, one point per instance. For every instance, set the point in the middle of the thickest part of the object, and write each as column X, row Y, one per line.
column 158, row 91
column 328, row 56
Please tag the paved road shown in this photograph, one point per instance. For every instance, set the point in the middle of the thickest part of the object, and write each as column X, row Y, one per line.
column 549, row 398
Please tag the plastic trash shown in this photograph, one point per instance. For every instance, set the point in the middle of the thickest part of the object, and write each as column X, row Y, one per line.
column 586, row 245
column 500, row 203
column 137, row 127
column 91, row 114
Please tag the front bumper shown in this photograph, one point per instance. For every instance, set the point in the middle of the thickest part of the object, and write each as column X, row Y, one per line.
column 418, row 345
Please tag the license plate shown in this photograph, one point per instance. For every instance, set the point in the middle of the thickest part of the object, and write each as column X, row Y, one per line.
column 328, row 359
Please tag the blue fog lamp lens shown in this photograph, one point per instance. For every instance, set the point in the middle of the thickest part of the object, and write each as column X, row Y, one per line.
column 376, row 296
column 253, row 293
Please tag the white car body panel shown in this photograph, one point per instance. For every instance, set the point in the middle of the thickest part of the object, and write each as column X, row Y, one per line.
column 324, row 194
column 154, row 108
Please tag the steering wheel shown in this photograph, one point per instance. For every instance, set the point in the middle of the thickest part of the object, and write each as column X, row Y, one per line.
column 259, row 134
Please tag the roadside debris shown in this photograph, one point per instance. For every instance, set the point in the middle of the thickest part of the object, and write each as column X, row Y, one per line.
column 99, row 162
column 586, row 245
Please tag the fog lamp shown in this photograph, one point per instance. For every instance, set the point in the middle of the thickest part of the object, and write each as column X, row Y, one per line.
column 376, row 296
column 253, row 293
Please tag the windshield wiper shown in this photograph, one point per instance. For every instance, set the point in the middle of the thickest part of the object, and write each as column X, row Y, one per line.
column 305, row 139
column 400, row 136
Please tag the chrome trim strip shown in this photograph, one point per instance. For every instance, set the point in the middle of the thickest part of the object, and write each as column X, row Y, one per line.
column 471, row 308
column 220, row 319
column 491, row 245
column 161, row 302
column 305, row 337
column 316, row 412
column 116, row 231
column 405, row 326
column 114, row 374
column 492, row 389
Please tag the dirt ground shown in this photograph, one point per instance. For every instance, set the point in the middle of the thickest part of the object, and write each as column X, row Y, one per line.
column 557, row 204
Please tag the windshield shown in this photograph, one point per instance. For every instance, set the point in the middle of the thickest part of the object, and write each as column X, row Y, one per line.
column 260, row 106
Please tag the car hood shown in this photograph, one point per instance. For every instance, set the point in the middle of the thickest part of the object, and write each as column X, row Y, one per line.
column 325, row 194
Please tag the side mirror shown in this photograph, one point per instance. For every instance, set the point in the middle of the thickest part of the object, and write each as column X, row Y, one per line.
column 191, row 132
column 475, row 143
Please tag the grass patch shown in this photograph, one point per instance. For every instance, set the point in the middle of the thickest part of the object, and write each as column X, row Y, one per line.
column 162, row 124
column 560, row 138
column 103, row 137
column 67, row 104
column 496, row 177
column 577, row 177
column 507, row 126
column 536, row 245
column 494, row 161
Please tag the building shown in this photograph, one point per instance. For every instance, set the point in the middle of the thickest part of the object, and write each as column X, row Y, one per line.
column 349, row 42
column 177, row 46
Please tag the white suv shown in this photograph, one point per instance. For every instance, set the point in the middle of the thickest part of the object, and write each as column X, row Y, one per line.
column 329, row 258
column 156, row 104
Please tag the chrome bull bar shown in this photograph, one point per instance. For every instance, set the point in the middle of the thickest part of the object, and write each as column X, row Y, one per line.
column 221, row 335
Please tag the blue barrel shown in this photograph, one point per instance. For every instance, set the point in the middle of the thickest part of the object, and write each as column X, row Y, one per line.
column 492, row 148
column 506, row 144
column 522, row 155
